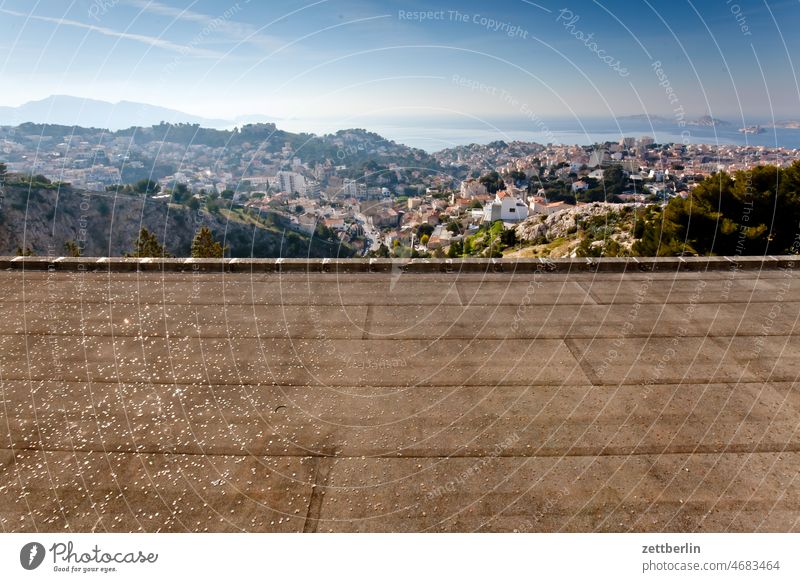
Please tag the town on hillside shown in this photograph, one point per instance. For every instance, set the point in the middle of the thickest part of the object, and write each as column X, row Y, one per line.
column 379, row 197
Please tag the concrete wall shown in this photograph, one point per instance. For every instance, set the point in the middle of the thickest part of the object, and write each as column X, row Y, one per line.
column 618, row 265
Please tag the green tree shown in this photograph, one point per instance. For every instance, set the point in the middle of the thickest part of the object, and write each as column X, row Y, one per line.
column 493, row 182
column 147, row 245
column 518, row 176
column 753, row 212
column 509, row 237
column 73, row 249
column 181, row 194
column 614, row 181
column 456, row 249
column 26, row 252
column 213, row 206
column 147, row 187
column 205, row 247
column 424, row 229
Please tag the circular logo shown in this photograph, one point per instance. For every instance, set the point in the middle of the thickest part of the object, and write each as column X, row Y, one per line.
column 31, row 555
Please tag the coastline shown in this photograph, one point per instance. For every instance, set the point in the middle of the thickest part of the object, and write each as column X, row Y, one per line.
column 448, row 133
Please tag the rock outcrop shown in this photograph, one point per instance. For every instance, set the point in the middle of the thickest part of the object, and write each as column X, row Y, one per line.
column 562, row 223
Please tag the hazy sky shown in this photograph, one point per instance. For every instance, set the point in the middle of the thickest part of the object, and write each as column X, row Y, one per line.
column 337, row 58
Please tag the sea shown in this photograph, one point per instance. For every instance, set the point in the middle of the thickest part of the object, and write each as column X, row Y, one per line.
column 434, row 134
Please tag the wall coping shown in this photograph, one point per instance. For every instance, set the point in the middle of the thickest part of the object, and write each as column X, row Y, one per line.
column 610, row 265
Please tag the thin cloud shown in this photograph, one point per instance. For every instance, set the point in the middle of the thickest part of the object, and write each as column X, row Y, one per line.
column 140, row 38
column 235, row 30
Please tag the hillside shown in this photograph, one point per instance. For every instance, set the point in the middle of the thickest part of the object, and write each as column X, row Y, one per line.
column 747, row 213
column 351, row 146
column 44, row 217
column 598, row 229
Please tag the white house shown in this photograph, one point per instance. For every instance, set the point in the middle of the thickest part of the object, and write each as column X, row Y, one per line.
column 505, row 207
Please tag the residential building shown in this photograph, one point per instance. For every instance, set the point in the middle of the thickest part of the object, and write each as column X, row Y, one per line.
column 505, row 207
column 291, row 182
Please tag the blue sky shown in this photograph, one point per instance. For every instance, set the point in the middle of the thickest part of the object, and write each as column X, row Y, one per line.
column 340, row 58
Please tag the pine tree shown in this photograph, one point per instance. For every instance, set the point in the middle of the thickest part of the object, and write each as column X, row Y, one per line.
column 73, row 249
column 205, row 247
column 147, row 245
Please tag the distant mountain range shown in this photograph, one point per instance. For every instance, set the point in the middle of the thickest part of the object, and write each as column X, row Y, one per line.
column 67, row 110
